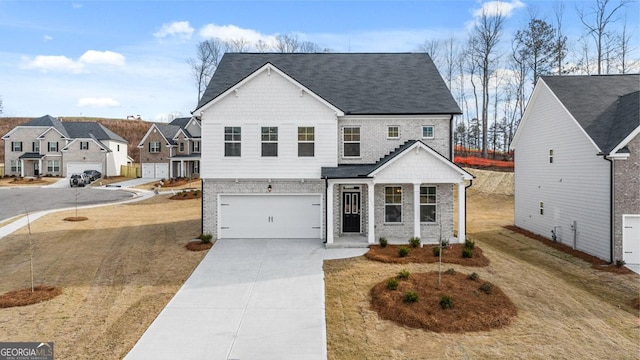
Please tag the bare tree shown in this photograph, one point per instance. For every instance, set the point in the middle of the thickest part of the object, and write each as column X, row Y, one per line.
column 596, row 21
column 560, row 41
column 287, row 43
column 1, row 106
column 237, row 45
column 624, row 41
column 262, row 46
column 486, row 32
column 432, row 48
column 208, row 55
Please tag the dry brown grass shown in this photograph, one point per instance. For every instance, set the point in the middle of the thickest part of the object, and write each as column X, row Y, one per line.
column 450, row 255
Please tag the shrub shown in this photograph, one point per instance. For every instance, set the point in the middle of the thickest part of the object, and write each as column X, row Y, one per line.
column 474, row 276
column 392, row 284
column 467, row 253
column 620, row 263
column 451, row 271
column 444, row 243
column 436, row 251
column 383, row 242
column 410, row 297
column 487, row 287
column 403, row 251
column 446, row 302
column 469, row 244
column 404, row 274
column 414, row 242
column 206, row 238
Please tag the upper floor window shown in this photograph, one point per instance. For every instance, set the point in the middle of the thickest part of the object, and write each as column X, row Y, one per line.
column 306, row 141
column 550, row 156
column 196, row 146
column 269, row 136
column 393, row 132
column 52, row 146
column 16, row 146
column 84, row 145
column 232, row 140
column 35, row 146
column 428, row 204
column 393, row 204
column 351, row 142
column 541, row 207
column 181, row 147
column 427, row 132
column 154, row 146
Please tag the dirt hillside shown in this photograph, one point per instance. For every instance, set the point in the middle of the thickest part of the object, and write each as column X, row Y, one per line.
column 492, row 182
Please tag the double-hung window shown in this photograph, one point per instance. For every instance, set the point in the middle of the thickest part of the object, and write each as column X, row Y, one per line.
column 232, row 141
column 16, row 166
column 196, row 146
column 16, row 146
column 393, row 204
column 53, row 165
column 393, row 132
column 351, row 141
column 427, row 204
column 35, row 146
column 550, row 156
column 269, row 137
column 154, row 146
column 181, row 147
column 52, row 146
column 84, row 145
column 428, row 132
column 306, row 141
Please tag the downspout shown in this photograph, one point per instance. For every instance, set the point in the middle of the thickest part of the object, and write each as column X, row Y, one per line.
column 326, row 187
column 202, row 207
column 451, row 144
column 465, row 204
column 611, row 207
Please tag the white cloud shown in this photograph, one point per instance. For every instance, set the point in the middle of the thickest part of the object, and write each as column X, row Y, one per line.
column 47, row 38
column 102, row 58
column 179, row 29
column 494, row 8
column 232, row 32
column 53, row 63
column 97, row 102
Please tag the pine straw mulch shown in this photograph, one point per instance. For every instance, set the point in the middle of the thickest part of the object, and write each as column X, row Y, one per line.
column 76, row 218
column 187, row 195
column 25, row 297
column 595, row 262
column 473, row 309
column 451, row 255
column 199, row 245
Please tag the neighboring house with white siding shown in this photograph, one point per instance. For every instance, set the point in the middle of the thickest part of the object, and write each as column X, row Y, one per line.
column 330, row 146
column 577, row 164
column 48, row 146
column 171, row 150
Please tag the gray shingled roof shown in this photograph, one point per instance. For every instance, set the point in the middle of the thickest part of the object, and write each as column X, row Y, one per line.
column 356, row 83
column 48, row 121
column 606, row 106
column 169, row 131
column 87, row 129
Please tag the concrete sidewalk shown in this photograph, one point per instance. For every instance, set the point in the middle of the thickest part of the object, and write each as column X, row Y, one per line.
column 248, row 299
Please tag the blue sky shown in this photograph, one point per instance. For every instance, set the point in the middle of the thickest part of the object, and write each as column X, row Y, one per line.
column 120, row 58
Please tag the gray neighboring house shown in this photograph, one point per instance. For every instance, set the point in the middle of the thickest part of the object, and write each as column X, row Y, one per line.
column 48, row 146
column 577, row 164
column 171, row 150
column 340, row 147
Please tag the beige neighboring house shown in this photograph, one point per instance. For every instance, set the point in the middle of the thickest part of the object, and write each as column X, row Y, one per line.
column 171, row 150
column 50, row 147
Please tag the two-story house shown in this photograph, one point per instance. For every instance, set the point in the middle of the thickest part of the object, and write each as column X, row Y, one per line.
column 330, row 146
column 577, row 164
column 48, row 146
column 171, row 150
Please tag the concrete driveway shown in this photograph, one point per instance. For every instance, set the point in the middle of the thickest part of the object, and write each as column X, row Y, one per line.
column 248, row 299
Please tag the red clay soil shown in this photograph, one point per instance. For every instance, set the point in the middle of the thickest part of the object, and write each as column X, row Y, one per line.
column 187, row 195
column 198, row 245
column 452, row 255
column 25, row 297
column 595, row 262
column 473, row 309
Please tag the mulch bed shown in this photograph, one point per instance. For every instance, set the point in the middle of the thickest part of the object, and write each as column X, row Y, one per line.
column 174, row 182
column 187, row 195
column 451, row 255
column 76, row 218
column 25, row 297
column 23, row 181
column 473, row 309
column 198, row 245
column 595, row 262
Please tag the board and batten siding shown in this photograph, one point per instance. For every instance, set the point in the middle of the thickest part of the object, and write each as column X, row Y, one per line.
column 575, row 187
column 268, row 99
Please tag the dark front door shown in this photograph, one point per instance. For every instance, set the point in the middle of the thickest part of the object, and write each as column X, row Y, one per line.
column 36, row 169
column 351, row 212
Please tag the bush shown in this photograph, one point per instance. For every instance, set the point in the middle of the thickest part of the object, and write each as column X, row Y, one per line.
column 206, row 238
column 487, row 287
column 469, row 244
column 620, row 263
column 392, row 284
column 383, row 242
column 451, row 271
column 474, row 276
column 410, row 297
column 446, row 302
column 403, row 251
column 467, row 253
column 414, row 242
column 404, row 274
column 436, row 251
column 444, row 243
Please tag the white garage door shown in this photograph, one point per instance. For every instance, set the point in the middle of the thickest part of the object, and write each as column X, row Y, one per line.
column 155, row 170
column 75, row 168
column 631, row 239
column 270, row 216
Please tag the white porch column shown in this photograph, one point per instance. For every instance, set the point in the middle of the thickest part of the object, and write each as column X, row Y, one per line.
column 181, row 168
column 371, row 218
column 21, row 167
column 170, row 168
column 329, row 224
column 40, row 167
column 416, row 210
column 461, row 211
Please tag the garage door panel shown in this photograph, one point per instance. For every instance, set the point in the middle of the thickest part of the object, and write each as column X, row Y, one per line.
column 75, row 168
column 270, row 216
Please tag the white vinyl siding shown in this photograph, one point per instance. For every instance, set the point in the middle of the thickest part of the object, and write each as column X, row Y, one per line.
column 575, row 187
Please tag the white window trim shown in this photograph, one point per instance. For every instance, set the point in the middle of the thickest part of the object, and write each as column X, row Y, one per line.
column 435, row 204
column 551, row 156
column 401, row 206
column 82, row 145
column 269, row 141
column 232, row 141
column 433, row 132
column 51, row 165
column 541, row 208
column 306, row 141
column 344, row 142
column 13, row 146
column 16, row 166
column 49, row 148
column 393, row 137
column 153, row 149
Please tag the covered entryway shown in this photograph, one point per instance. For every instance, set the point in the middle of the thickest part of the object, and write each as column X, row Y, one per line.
column 271, row 216
column 351, row 211
column 155, row 170
column 631, row 239
column 76, row 168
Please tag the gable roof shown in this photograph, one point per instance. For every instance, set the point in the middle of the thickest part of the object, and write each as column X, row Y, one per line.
column 48, row 121
column 605, row 106
column 95, row 130
column 355, row 83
